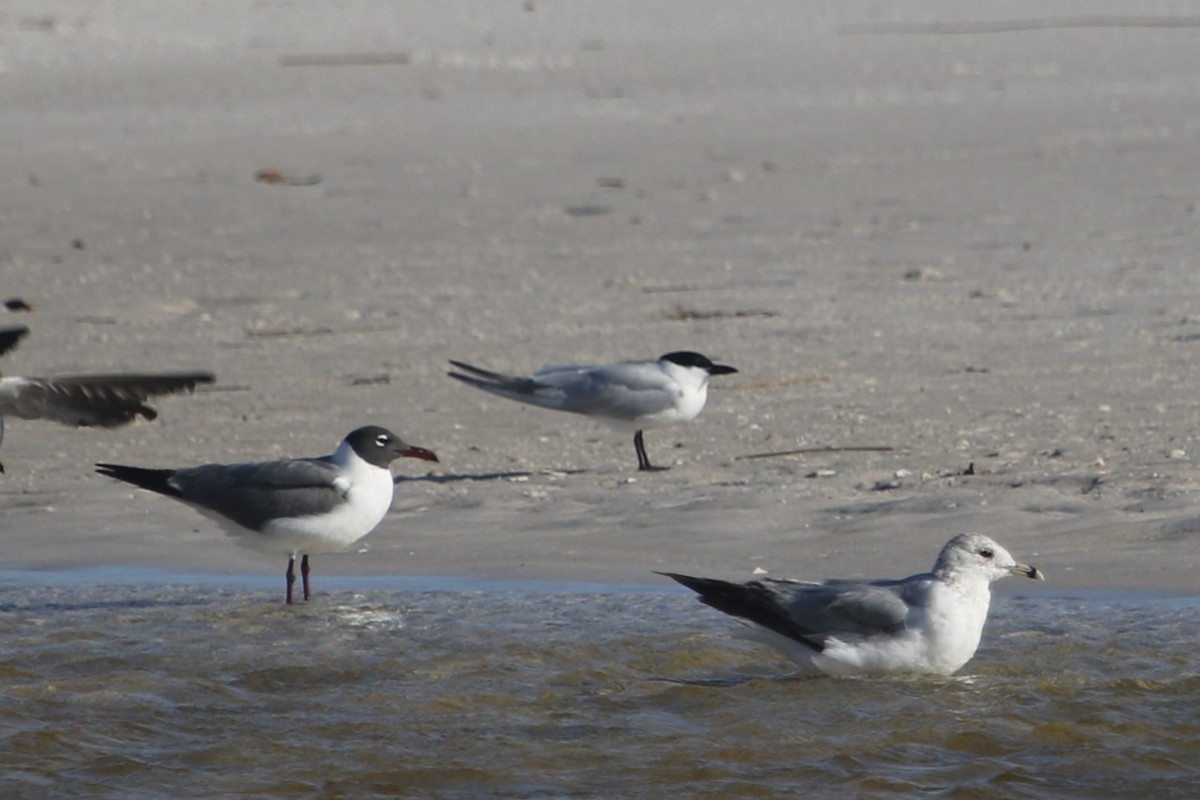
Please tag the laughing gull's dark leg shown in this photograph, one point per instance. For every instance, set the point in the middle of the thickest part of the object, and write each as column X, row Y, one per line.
column 304, row 574
column 644, row 464
column 291, row 576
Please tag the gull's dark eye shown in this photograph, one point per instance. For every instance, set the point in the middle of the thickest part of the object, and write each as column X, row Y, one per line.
column 382, row 440
column 987, row 553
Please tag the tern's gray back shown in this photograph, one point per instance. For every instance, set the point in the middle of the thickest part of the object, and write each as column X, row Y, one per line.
column 618, row 391
column 253, row 494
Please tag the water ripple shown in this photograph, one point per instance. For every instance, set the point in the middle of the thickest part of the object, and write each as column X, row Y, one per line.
column 207, row 692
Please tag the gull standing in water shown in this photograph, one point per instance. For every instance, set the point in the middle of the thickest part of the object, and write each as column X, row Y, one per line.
column 299, row 505
column 106, row 401
column 926, row 623
column 632, row 395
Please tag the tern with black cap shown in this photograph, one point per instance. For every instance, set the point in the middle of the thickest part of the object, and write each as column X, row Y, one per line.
column 631, row 395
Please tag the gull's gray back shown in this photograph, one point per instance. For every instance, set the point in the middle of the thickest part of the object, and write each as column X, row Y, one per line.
column 840, row 607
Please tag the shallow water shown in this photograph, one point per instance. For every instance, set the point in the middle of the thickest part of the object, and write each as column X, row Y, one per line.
column 526, row 691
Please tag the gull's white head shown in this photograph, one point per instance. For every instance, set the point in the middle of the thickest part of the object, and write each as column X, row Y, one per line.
column 974, row 553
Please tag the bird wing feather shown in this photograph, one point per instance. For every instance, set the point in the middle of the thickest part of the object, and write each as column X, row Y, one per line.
column 252, row 494
column 843, row 608
column 83, row 400
column 619, row 391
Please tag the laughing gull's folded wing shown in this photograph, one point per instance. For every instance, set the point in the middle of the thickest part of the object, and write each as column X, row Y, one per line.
column 253, row 494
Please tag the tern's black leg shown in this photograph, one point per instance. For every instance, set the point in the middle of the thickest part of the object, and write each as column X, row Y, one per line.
column 291, row 576
column 644, row 464
column 304, row 574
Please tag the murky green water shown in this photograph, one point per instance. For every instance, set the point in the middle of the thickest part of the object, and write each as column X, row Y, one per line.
column 150, row 691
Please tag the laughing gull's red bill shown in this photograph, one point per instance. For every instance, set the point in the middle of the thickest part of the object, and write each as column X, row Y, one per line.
column 632, row 395
column 292, row 506
column 106, row 401
column 926, row 623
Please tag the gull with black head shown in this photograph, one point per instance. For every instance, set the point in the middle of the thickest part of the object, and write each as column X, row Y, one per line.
column 290, row 506
column 927, row 623
column 631, row 395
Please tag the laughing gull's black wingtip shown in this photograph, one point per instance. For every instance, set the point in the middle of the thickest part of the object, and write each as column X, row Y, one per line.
column 154, row 480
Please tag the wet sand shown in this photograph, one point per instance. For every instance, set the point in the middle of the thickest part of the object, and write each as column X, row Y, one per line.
column 963, row 243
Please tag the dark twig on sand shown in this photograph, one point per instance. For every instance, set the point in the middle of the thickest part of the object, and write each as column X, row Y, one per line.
column 806, row 450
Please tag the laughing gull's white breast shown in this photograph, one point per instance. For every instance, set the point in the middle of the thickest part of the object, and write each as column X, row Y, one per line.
column 632, row 395
column 105, row 401
column 926, row 623
column 290, row 506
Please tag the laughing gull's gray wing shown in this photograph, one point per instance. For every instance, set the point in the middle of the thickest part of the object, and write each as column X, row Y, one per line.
column 11, row 337
column 249, row 494
column 84, row 400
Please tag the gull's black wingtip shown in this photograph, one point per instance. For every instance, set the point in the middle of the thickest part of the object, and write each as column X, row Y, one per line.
column 700, row 586
column 154, row 480
column 751, row 601
column 685, row 580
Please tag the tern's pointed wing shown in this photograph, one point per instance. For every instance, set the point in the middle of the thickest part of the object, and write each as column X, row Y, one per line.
column 617, row 391
column 622, row 391
column 104, row 400
column 523, row 390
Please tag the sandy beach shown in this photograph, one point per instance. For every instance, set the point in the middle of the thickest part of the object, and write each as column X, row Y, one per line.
column 951, row 255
